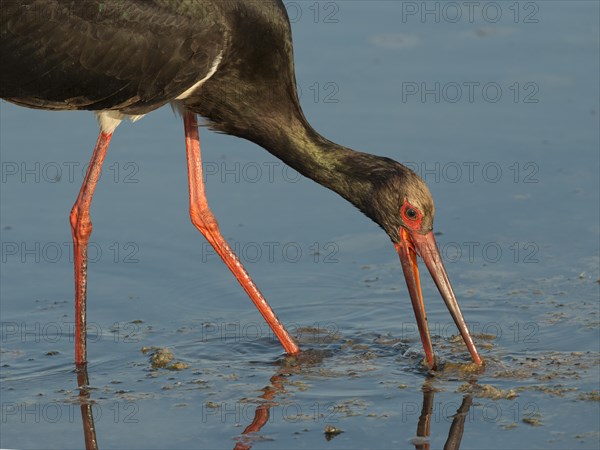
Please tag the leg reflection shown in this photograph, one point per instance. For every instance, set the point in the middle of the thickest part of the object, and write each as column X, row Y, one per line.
column 87, row 415
column 458, row 424
column 289, row 366
column 277, row 388
column 424, row 426
column 262, row 412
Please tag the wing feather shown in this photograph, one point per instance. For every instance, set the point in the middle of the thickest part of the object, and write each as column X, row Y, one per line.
column 95, row 54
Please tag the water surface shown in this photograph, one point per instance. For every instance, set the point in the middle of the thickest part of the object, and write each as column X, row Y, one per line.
column 498, row 114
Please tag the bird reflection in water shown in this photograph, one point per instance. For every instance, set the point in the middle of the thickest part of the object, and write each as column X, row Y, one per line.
column 277, row 388
column 424, row 425
column 87, row 414
column 262, row 412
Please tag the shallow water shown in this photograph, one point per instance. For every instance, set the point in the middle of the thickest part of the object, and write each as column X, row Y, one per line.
column 515, row 179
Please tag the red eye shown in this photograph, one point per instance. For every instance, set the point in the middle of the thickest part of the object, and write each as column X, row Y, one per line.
column 411, row 213
column 412, row 216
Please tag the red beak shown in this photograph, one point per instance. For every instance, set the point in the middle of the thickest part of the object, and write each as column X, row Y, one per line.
column 411, row 243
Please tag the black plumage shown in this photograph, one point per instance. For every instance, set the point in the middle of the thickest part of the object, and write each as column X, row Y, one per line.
column 136, row 56
column 131, row 56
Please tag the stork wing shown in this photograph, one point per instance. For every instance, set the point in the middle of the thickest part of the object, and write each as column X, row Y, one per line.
column 95, row 54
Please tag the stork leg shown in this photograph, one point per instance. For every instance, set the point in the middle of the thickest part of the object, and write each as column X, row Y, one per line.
column 205, row 221
column 81, row 229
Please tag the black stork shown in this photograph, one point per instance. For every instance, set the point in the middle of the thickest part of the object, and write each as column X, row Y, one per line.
column 230, row 62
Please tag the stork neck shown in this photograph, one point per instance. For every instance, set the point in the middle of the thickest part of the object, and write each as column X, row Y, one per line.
column 331, row 165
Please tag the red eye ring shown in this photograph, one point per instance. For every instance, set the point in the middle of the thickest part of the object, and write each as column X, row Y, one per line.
column 411, row 215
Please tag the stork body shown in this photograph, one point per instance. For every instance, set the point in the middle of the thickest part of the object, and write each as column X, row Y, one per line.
column 230, row 62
